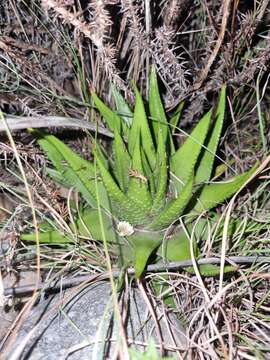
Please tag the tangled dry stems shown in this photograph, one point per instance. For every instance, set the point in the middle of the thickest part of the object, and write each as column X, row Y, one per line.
column 194, row 51
column 49, row 67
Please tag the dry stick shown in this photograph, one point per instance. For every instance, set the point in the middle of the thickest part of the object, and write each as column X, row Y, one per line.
column 64, row 283
column 264, row 6
column 205, row 71
column 154, row 316
column 25, row 122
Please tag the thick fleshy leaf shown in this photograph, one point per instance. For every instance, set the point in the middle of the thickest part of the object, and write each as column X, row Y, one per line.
column 58, row 177
column 122, row 161
column 140, row 128
column 49, row 237
column 123, row 110
column 75, row 171
column 204, row 170
column 112, row 188
column 89, row 225
column 144, row 244
column 177, row 248
column 171, row 144
column 102, row 154
column 157, row 112
column 138, row 189
column 184, row 160
column 174, row 120
column 122, row 205
column 148, row 173
column 212, row 269
column 174, row 209
column 161, row 173
column 220, row 169
column 112, row 119
column 216, row 192
column 173, row 123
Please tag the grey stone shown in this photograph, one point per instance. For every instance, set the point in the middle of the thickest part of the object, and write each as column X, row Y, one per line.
column 84, row 328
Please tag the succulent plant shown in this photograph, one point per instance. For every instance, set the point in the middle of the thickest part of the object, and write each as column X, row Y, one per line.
column 137, row 191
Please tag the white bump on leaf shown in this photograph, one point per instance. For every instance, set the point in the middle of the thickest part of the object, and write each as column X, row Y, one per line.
column 124, row 228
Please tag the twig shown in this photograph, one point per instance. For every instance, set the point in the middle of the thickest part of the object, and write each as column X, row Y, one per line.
column 205, row 71
column 65, row 283
column 25, row 122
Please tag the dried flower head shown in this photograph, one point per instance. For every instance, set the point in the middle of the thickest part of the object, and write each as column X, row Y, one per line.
column 124, row 228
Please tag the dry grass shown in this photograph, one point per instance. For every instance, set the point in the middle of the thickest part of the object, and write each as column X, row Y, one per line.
column 56, row 49
column 52, row 51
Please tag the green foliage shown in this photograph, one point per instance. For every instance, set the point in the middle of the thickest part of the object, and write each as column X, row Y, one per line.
column 157, row 112
column 162, row 176
column 121, row 161
column 214, row 193
column 144, row 243
column 150, row 354
column 174, row 208
column 170, row 249
column 146, row 185
column 205, row 167
column 140, row 129
column 112, row 119
column 184, row 160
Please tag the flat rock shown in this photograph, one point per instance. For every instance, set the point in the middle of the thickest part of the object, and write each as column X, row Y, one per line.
column 81, row 326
